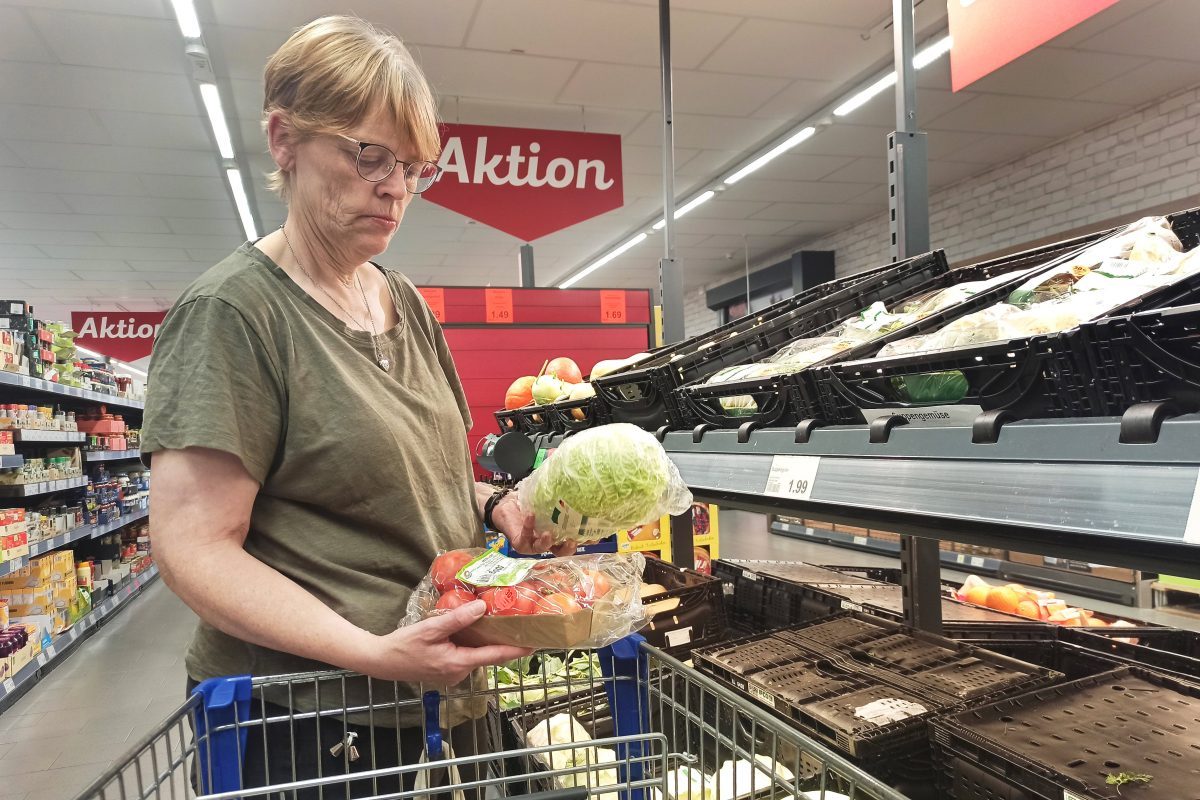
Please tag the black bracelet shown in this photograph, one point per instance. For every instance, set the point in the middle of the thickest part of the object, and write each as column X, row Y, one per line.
column 490, row 506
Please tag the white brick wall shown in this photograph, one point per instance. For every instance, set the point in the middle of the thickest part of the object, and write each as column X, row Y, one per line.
column 1145, row 161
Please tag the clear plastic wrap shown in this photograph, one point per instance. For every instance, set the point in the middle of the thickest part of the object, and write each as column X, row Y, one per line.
column 557, row 603
column 603, row 480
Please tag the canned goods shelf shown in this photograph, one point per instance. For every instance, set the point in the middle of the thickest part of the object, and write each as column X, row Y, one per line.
column 116, row 524
column 64, row 539
column 63, row 644
column 12, row 462
column 42, row 487
column 111, row 455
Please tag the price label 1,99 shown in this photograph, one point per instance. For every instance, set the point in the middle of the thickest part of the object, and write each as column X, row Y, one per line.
column 792, row 476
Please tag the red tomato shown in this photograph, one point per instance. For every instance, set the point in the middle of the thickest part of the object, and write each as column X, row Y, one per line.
column 563, row 603
column 510, row 601
column 554, row 577
column 446, row 566
column 593, row 586
column 454, row 598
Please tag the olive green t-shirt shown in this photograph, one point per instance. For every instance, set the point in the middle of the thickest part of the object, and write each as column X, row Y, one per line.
column 365, row 474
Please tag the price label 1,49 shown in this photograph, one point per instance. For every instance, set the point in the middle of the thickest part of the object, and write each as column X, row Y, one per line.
column 792, row 476
column 498, row 306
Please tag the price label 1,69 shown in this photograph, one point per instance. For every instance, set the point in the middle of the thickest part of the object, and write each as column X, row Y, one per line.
column 792, row 476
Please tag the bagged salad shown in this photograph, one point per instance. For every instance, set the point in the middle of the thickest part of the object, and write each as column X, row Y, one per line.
column 556, row 603
column 602, row 480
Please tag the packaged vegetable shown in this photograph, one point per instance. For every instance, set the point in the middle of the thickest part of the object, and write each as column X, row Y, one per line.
column 603, row 480
column 558, row 603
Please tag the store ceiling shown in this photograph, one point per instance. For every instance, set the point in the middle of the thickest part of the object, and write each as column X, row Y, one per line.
column 110, row 192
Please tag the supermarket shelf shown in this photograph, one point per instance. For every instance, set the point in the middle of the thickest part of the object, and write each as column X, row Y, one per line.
column 12, row 462
column 1065, row 488
column 46, row 387
column 65, row 643
column 42, row 487
column 34, row 436
column 1127, row 594
column 121, row 522
column 111, row 455
column 64, row 539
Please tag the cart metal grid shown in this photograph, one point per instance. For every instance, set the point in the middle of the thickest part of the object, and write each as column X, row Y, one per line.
column 663, row 722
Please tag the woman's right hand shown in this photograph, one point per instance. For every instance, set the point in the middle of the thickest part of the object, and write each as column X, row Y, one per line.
column 423, row 652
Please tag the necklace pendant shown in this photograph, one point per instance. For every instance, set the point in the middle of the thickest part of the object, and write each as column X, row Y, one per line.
column 385, row 364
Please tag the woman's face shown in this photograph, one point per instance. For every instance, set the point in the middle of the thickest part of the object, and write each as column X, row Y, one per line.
column 354, row 218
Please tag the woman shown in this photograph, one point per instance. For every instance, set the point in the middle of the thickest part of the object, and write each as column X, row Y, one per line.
column 306, row 418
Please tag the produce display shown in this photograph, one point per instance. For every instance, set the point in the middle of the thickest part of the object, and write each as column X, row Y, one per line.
column 559, row 603
column 1014, row 598
column 561, row 379
column 602, row 480
column 868, row 324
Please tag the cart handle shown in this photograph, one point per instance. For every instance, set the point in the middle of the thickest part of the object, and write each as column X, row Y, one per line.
column 431, row 700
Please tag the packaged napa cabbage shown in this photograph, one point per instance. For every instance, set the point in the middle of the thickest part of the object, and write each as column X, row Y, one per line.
column 602, row 480
column 933, row 387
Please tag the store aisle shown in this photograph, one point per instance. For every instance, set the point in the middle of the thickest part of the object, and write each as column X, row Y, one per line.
column 114, row 689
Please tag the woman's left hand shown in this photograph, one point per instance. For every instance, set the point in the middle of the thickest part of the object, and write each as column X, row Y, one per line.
column 518, row 528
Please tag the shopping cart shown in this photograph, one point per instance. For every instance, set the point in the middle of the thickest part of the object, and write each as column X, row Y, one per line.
column 648, row 727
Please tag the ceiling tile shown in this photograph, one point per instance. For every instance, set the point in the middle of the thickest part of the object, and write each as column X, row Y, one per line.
column 221, row 210
column 1152, row 80
column 1056, row 72
column 931, row 104
column 83, row 87
column 230, row 238
column 797, row 166
column 799, row 99
column 722, row 208
column 182, row 267
column 862, row 170
column 1105, row 20
column 705, row 132
column 944, row 173
column 50, row 124
column 769, row 47
column 843, row 139
column 580, row 30
column 552, row 117
column 32, row 202
column 647, row 159
column 184, row 187
column 133, row 226
column 750, row 227
column 498, row 76
column 8, row 158
column 205, row 227
column 18, row 42
column 108, row 41
column 213, row 255
column 800, row 191
column 411, row 20
column 51, row 237
column 50, row 155
column 1034, row 116
column 995, row 148
column 115, row 253
column 816, row 212
column 707, row 164
column 860, row 15
column 92, row 265
column 18, row 252
column 156, row 130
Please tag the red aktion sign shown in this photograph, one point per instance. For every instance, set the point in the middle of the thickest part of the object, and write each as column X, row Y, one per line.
column 527, row 182
column 990, row 33
column 124, row 335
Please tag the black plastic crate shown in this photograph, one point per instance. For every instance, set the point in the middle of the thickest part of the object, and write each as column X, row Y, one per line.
column 1142, row 646
column 697, row 617
column 645, row 394
column 530, row 420
column 1044, row 376
column 763, row 593
column 578, row 415
column 1149, row 357
column 887, row 602
column 1070, row 659
column 786, row 399
column 1073, row 737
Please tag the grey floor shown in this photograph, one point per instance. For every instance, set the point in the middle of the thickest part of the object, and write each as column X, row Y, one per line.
column 123, row 682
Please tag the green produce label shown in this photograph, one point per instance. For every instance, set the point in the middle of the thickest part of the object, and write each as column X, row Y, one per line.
column 495, row 569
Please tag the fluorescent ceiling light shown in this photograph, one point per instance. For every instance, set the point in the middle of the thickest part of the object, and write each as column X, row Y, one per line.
column 933, row 52
column 921, row 59
column 861, row 98
column 216, row 118
column 795, row 139
column 679, row 212
column 601, row 261
column 242, row 202
column 185, row 15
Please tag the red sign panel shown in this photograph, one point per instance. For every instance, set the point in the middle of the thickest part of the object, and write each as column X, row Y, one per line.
column 435, row 298
column 124, row 335
column 990, row 33
column 528, row 182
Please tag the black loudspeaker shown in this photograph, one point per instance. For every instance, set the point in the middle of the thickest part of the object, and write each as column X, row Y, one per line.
column 511, row 453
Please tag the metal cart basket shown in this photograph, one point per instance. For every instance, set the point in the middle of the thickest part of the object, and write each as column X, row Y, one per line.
column 655, row 730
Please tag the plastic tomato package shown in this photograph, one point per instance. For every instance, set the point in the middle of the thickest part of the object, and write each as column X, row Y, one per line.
column 602, row 480
column 572, row 602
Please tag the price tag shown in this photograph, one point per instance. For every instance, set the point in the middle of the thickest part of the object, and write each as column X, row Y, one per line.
column 1191, row 532
column 41, row 659
column 74, row 634
column 977, row 562
column 849, row 606
column 612, row 306
column 498, row 306
column 10, row 686
column 51, row 652
column 792, row 476
column 860, row 541
column 960, row 559
column 1069, row 795
column 435, row 298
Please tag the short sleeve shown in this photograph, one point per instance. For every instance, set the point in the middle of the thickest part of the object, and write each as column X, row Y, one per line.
column 212, row 384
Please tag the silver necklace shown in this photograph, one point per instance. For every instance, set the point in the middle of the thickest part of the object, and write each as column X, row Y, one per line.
column 384, row 363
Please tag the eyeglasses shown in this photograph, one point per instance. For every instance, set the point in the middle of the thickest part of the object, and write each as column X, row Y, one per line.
column 375, row 162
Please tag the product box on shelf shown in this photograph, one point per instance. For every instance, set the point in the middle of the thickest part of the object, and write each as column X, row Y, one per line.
column 1121, row 574
column 883, row 536
column 15, row 545
column 852, row 530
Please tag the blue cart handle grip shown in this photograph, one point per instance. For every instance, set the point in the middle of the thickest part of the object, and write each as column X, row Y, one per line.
column 433, row 724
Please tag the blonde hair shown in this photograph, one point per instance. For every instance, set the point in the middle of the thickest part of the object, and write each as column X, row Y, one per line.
column 336, row 71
